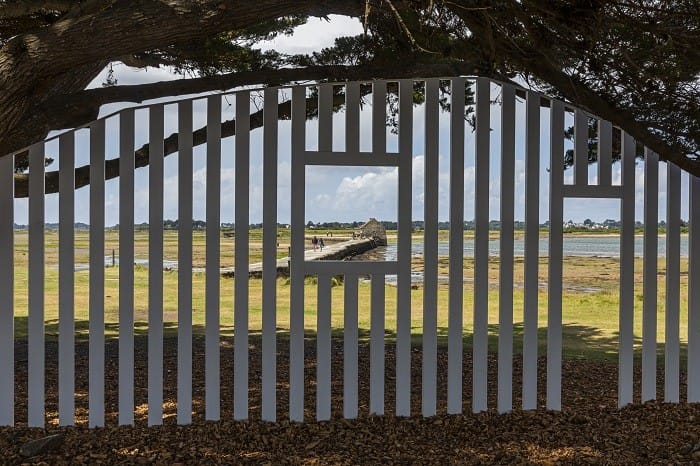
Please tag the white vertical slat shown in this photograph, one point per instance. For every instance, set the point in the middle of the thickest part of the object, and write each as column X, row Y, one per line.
column 532, row 230
column 269, row 303
column 481, row 247
column 323, row 349
column 323, row 353
column 604, row 153
column 505, row 293
column 430, row 243
column 7, row 291
column 556, row 240
column 126, row 267
column 673, row 288
column 325, row 117
column 296, row 292
column 379, row 117
column 580, row 148
column 350, row 382
column 155, row 258
column 694, row 293
column 352, row 117
column 240, row 369
column 96, row 369
column 456, row 260
column 184, row 258
column 626, row 351
column 379, row 94
column 403, row 285
column 66, row 280
column 35, row 287
column 651, row 241
column 376, row 355
column 212, row 374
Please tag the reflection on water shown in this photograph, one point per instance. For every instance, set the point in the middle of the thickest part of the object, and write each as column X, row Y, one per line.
column 588, row 246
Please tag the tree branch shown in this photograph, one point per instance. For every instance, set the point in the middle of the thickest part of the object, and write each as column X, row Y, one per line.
column 538, row 63
column 29, row 7
column 78, row 109
column 30, row 62
column 170, row 145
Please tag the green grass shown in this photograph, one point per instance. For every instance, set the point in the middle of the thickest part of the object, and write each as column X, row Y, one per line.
column 590, row 317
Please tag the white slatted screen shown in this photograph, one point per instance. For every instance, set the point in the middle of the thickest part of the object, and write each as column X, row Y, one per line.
column 330, row 97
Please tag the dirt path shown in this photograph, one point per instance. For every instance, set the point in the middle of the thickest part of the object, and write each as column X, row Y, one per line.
column 590, row 430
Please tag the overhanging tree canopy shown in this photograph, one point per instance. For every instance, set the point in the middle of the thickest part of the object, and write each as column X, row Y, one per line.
column 633, row 62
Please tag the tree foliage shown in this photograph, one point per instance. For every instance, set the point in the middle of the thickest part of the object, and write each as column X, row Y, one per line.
column 633, row 62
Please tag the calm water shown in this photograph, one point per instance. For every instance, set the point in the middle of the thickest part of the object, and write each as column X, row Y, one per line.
column 593, row 246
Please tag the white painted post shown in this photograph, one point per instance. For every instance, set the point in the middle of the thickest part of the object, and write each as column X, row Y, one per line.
column 456, row 261
column 604, row 153
column 323, row 349
column 35, row 285
column 673, row 287
column 481, row 247
column 96, row 369
column 352, row 118
column 532, row 228
column 379, row 95
column 155, row 271
column 269, row 303
column 556, row 232
column 580, row 148
column 626, row 351
column 325, row 117
column 430, row 246
column 296, row 293
column 350, row 392
column 379, row 117
column 7, row 291
column 505, row 292
column 184, row 258
column 403, row 285
column 651, row 241
column 376, row 365
column 694, row 293
column 212, row 371
column 240, row 354
column 126, row 267
column 66, row 280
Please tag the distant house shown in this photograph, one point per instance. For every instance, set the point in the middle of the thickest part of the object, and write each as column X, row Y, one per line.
column 375, row 230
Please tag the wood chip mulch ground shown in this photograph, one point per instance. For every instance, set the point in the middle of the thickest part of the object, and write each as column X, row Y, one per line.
column 589, row 430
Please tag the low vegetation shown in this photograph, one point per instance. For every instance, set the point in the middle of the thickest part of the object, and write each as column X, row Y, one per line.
column 590, row 299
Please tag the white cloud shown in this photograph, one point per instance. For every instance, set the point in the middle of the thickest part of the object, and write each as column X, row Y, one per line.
column 316, row 34
column 331, row 195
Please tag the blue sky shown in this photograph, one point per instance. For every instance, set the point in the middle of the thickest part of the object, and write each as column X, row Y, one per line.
column 333, row 193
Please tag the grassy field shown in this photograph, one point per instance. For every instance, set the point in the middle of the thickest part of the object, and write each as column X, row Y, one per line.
column 590, row 300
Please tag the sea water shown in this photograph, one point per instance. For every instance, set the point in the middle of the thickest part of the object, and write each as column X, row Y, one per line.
column 579, row 246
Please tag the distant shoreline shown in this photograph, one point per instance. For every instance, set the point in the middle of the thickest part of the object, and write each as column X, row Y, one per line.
column 390, row 233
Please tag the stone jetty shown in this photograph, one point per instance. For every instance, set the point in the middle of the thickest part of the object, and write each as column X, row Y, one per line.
column 332, row 251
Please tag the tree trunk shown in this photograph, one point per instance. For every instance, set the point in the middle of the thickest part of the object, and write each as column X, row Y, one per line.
column 71, row 51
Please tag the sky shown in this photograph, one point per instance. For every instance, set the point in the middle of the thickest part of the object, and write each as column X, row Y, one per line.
column 332, row 193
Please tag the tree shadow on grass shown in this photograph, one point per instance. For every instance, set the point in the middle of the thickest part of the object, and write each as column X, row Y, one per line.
column 579, row 341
